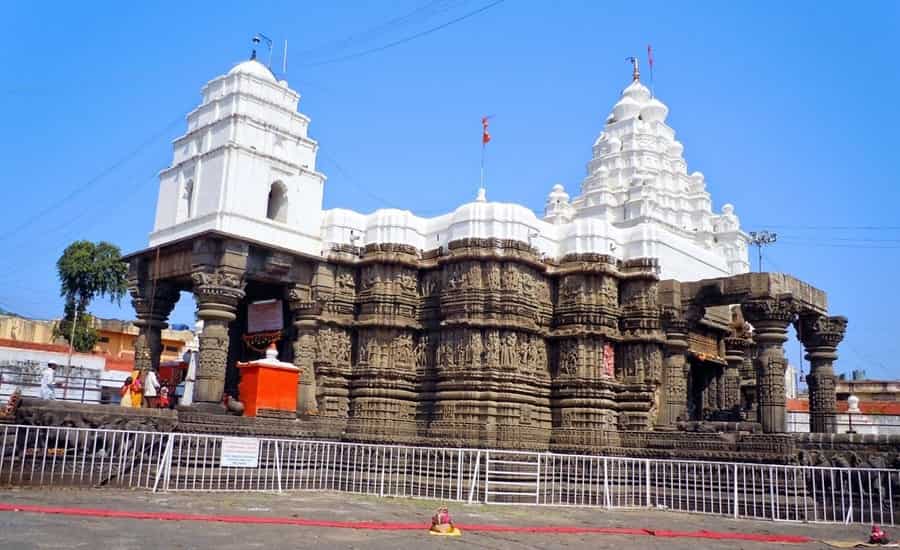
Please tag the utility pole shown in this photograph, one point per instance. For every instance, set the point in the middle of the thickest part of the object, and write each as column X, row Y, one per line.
column 71, row 346
column 761, row 239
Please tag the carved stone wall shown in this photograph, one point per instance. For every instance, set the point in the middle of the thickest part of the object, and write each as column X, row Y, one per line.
column 485, row 343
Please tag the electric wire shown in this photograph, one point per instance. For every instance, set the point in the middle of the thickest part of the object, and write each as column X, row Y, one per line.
column 406, row 39
column 92, row 181
column 422, row 13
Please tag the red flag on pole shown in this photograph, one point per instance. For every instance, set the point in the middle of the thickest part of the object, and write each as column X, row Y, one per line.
column 485, row 136
column 650, row 55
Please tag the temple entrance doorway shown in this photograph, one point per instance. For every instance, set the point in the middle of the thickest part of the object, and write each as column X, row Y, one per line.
column 703, row 389
column 248, row 342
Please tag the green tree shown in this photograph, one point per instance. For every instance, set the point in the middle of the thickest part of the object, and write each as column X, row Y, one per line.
column 87, row 270
column 85, row 333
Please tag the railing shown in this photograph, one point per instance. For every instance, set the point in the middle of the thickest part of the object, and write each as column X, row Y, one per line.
column 860, row 423
column 50, row 456
column 75, row 388
column 72, row 389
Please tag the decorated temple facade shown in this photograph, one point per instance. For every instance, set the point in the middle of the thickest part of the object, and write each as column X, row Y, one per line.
column 626, row 310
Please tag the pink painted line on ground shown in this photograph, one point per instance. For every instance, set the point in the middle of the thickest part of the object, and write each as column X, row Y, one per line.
column 393, row 526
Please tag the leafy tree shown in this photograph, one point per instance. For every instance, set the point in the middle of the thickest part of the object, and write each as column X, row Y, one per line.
column 85, row 333
column 87, row 270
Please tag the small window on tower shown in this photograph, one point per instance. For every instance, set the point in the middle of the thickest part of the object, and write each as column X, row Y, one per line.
column 276, row 208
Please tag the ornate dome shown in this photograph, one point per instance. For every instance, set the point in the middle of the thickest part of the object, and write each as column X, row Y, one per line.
column 654, row 111
column 253, row 68
column 637, row 92
column 626, row 108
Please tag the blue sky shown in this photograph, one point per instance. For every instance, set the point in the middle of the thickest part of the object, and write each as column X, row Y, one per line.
column 789, row 110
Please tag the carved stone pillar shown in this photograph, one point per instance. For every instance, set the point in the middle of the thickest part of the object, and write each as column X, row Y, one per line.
column 748, row 382
column 153, row 302
column 770, row 318
column 820, row 336
column 639, row 355
column 304, row 310
column 218, row 294
column 676, row 375
column 734, row 355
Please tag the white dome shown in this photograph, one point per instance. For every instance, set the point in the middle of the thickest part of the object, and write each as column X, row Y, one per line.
column 637, row 92
column 626, row 108
column 253, row 68
column 557, row 196
column 654, row 111
column 675, row 149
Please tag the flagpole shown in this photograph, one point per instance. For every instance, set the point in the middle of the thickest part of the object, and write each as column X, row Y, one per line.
column 482, row 163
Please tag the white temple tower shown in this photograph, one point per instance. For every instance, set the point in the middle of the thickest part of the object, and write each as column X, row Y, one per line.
column 245, row 166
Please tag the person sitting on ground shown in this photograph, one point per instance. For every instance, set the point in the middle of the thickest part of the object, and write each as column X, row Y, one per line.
column 441, row 521
column 151, row 387
column 878, row 536
column 48, row 379
column 125, row 392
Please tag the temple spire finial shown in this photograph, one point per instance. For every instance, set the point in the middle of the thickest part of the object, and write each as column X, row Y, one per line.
column 636, row 73
column 255, row 41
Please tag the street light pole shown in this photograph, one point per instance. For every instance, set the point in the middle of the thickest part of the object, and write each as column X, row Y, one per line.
column 71, row 346
column 761, row 239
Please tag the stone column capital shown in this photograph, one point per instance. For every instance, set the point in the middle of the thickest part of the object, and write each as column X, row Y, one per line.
column 736, row 348
column 152, row 301
column 301, row 302
column 217, row 292
column 770, row 318
column 676, row 329
column 821, row 333
column 775, row 310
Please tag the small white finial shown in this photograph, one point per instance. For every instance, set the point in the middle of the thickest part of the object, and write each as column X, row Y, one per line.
column 636, row 73
column 272, row 352
column 482, row 195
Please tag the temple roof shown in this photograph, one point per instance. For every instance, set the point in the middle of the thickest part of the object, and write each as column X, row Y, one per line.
column 254, row 68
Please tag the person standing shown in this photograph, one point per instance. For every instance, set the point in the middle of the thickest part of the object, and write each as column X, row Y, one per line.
column 151, row 389
column 48, row 380
column 137, row 390
column 164, row 402
column 125, row 392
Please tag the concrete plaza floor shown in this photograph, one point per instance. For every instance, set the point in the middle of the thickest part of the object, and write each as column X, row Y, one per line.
column 21, row 530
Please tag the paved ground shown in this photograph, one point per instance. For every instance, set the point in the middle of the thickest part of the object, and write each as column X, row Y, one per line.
column 20, row 530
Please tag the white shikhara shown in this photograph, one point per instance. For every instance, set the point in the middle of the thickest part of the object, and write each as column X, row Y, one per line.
column 246, row 167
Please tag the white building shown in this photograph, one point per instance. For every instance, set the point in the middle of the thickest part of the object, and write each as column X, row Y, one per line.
column 21, row 365
column 247, row 167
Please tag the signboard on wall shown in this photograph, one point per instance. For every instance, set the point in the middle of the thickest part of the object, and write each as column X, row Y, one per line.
column 240, row 452
column 264, row 316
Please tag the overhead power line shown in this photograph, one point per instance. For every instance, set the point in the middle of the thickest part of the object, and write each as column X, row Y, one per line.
column 422, row 13
column 839, row 239
column 833, row 245
column 406, row 39
column 837, row 227
column 93, row 181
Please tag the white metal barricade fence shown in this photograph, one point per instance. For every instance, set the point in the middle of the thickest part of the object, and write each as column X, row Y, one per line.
column 62, row 456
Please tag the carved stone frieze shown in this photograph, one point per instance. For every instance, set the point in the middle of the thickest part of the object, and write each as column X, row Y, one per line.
column 484, row 343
